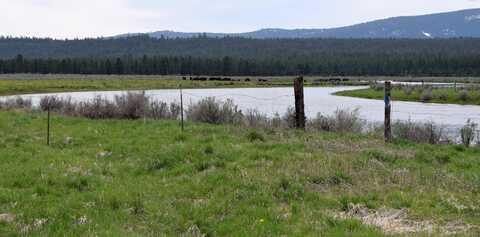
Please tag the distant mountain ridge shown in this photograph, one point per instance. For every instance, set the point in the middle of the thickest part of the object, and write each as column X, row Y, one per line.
column 464, row 23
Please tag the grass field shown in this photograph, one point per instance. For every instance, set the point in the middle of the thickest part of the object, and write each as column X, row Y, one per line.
column 68, row 84
column 25, row 83
column 436, row 95
column 11, row 84
column 130, row 178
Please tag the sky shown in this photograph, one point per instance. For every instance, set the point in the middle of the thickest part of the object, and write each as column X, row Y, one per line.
column 94, row 18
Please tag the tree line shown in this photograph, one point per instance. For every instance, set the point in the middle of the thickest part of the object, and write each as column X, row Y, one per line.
column 240, row 56
column 362, row 65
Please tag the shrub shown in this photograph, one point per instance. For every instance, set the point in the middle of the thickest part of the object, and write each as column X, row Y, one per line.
column 348, row 121
column 289, row 118
column 175, row 110
column 161, row 110
column 255, row 136
column 276, row 121
column 208, row 110
column 253, row 118
column 341, row 121
column 68, row 107
column 16, row 103
column 426, row 96
column 209, row 150
column 322, row 123
column 464, row 95
column 467, row 133
column 443, row 96
column 51, row 102
column 98, row 108
column 408, row 90
column 131, row 105
column 417, row 132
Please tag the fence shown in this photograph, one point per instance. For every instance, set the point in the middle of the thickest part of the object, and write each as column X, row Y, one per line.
column 269, row 101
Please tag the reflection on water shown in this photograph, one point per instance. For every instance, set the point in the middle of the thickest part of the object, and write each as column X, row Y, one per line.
column 317, row 100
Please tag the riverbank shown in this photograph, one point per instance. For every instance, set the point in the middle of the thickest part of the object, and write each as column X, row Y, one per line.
column 417, row 94
column 121, row 177
column 14, row 84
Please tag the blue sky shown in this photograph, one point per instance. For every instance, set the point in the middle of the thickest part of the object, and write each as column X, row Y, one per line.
column 92, row 18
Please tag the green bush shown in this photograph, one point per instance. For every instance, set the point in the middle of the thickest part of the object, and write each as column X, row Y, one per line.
column 255, row 136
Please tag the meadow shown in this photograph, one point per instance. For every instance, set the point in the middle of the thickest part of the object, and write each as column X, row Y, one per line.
column 12, row 84
column 126, row 177
column 130, row 178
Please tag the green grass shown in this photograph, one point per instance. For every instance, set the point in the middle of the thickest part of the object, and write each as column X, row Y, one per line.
column 439, row 95
column 127, row 178
column 99, row 83
column 14, row 84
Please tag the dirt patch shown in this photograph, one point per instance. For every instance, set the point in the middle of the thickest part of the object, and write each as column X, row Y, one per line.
column 7, row 218
column 395, row 221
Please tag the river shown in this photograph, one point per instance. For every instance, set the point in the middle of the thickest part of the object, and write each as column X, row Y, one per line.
column 317, row 100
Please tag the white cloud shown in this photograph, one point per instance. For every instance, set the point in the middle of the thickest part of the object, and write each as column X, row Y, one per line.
column 67, row 18
column 91, row 18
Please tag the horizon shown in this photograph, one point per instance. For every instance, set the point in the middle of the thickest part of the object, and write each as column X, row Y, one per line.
column 58, row 19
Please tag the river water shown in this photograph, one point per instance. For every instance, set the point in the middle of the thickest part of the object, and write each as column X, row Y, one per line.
column 317, row 100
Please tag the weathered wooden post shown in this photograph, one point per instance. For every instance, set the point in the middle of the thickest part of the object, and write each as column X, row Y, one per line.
column 388, row 110
column 181, row 107
column 299, row 104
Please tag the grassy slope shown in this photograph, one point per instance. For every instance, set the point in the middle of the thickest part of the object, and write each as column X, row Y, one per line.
column 160, row 181
column 452, row 96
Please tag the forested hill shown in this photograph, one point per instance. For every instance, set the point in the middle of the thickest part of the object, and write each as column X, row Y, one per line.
column 464, row 23
column 241, row 56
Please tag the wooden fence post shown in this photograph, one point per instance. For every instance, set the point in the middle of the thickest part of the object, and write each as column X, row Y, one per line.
column 299, row 104
column 388, row 111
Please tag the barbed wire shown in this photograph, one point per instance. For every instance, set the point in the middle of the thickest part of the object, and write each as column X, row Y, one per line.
column 243, row 95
